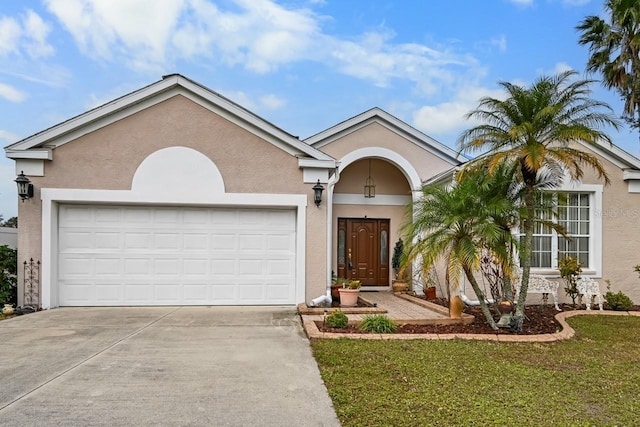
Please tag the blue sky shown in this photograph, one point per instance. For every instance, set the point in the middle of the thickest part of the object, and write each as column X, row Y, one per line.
column 304, row 65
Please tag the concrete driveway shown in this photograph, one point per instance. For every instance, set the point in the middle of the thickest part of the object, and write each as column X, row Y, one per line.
column 177, row 366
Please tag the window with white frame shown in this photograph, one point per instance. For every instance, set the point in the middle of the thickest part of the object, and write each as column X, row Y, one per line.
column 574, row 214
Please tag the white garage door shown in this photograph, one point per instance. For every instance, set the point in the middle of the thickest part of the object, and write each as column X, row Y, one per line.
column 123, row 255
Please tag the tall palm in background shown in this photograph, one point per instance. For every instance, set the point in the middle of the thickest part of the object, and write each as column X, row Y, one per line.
column 535, row 127
column 614, row 47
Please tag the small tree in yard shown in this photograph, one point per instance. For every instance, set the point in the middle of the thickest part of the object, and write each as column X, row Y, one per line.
column 8, row 275
column 570, row 270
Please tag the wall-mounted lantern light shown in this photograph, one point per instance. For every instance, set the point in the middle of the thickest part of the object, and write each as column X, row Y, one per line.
column 369, row 185
column 25, row 187
column 317, row 193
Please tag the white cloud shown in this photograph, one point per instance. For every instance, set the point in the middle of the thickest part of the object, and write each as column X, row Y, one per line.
column 500, row 42
column 259, row 35
column 9, row 35
column 575, row 2
column 28, row 35
column 561, row 67
column 240, row 98
column 36, row 31
column 11, row 94
column 449, row 117
column 272, row 102
column 8, row 136
column 108, row 29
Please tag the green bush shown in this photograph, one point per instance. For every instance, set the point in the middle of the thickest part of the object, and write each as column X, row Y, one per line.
column 378, row 324
column 337, row 319
column 570, row 270
column 619, row 301
column 8, row 275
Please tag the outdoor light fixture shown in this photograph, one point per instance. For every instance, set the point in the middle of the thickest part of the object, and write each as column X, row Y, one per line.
column 25, row 187
column 317, row 193
column 369, row 185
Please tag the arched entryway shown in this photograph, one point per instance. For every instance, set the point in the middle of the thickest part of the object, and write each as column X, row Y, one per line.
column 365, row 224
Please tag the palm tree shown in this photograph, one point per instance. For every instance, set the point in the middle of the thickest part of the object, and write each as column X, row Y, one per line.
column 615, row 47
column 455, row 224
column 534, row 128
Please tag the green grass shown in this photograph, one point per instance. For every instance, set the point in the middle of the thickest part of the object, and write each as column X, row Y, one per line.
column 590, row 380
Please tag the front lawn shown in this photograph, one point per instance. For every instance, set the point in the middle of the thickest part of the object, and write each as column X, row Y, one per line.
column 592, row 379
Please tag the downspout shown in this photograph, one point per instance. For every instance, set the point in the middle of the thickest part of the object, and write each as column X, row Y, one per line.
column 333, row 180
column 466, row 300
column 326, row 298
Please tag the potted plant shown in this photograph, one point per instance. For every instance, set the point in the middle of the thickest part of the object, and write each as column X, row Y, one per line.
column 400, row 282
column 336, row 285
column 349, row 293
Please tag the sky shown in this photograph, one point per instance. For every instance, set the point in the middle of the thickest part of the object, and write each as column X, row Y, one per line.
column 304, row 65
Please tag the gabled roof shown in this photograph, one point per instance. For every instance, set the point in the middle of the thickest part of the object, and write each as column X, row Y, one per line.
column 615, row 155
column 40, row 145
column 377, row 115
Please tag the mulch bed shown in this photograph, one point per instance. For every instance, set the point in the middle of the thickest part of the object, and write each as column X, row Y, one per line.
column 539, row 319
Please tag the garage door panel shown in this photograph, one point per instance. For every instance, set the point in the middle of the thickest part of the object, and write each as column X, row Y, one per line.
column 195, row 241
column 106, row 216
column 223, row 242
column 136, row 240
column 105, row 267
column 196, row 267
column 168, row 241
column 174, row 256
column 108, row 240
column 108, row 293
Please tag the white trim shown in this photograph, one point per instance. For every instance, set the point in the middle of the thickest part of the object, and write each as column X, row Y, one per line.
column 377, row 115
column 595, row 220
column 52, row 197
column 30, row 167
column 631, row 175
column 385, row 154
column 614, row 154
column 313, row 163
column 148, row 96
column 34, row 154
column 379, row 200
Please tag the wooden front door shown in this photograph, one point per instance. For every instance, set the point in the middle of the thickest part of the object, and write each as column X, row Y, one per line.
column 363, row 250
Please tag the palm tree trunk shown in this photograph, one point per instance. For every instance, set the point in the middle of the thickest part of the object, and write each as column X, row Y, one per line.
column 507, row 294
column 525, row 249
column 481, row 298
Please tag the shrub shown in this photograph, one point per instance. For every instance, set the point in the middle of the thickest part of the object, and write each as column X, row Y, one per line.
column 337, row 319
column 619, row 301
column 570, row 270
column 378, row 324
column 8, row 275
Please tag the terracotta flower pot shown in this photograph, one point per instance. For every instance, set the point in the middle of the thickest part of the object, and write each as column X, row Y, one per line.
column 505, row 306
column 335, row 293
column 348, row 297
column 430, row 292
column 399, row 286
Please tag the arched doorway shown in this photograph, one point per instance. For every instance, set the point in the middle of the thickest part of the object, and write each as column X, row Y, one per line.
column 365, row 223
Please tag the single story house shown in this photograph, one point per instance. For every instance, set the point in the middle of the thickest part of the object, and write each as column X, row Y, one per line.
column 175, row 195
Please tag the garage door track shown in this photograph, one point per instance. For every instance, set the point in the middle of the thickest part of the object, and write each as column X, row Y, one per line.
column 223, row 366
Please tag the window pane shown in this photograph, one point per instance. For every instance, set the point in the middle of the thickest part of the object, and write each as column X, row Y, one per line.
column 584, row 260
column 341, row 251
column 383, row 247
column 584, row 227
column 584, row 214
column 545, row 260
column 573, row 210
